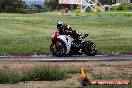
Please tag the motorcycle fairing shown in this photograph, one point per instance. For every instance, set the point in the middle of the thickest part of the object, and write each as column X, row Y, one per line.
column 67, row 40
column 54, row 36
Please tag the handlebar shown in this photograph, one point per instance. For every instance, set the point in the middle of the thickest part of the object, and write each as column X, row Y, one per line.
column 80, row 35
column 85, row 35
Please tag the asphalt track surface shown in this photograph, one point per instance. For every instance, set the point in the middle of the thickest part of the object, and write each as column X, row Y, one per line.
column 51, row 58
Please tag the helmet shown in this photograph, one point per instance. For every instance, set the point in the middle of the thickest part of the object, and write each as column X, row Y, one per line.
column 60, row 24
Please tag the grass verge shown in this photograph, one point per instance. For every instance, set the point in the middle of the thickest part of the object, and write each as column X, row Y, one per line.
column 44, row 73
column 9, row 76
column 102, row 14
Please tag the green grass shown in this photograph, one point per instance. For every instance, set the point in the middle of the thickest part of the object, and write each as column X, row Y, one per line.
column 9, row 76
column 31, row 33
column 40, row 73
column 103, row 14
column 120, row 11
column 47, row 73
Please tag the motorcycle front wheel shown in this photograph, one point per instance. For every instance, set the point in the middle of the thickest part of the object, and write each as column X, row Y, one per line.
column 90, row 49
column 58, row 50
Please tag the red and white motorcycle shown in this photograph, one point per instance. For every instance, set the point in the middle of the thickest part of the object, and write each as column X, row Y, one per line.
column 66, row 45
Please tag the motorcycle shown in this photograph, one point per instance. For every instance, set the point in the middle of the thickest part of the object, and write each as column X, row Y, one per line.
column 71, row 45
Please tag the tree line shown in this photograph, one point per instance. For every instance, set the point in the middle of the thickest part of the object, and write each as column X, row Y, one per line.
column 12, row 6
column 18, row 6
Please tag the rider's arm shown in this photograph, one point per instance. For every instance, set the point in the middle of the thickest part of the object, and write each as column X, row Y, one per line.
column 68, row 29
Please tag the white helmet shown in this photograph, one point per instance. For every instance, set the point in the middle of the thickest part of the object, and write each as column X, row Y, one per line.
column 60, row 24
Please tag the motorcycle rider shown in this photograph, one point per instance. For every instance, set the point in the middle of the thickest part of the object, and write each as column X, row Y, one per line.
column 64, row 29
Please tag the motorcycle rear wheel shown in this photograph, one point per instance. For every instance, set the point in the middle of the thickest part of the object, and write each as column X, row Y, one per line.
column 58, row 50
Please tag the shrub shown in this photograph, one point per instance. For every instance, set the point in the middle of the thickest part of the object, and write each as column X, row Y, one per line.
column 9, row 76
column 128, row 7
column 98, row 9
column 47, row 73
column 78, row 10
column 121, row 6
